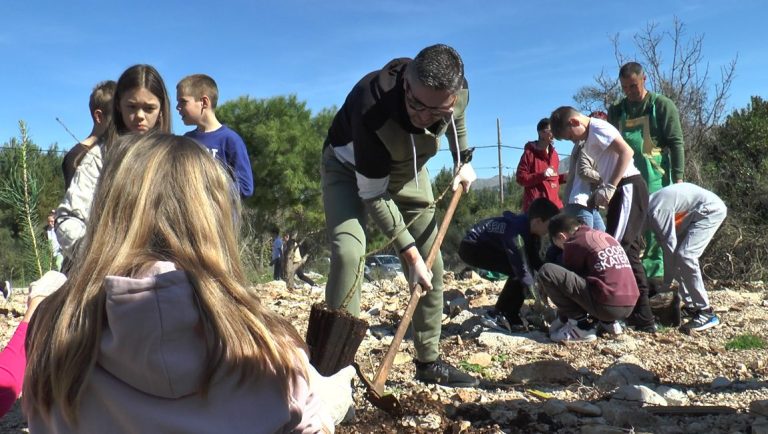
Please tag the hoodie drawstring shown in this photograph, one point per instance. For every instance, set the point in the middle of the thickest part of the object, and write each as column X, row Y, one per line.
column 455, row 142
column 415, row 173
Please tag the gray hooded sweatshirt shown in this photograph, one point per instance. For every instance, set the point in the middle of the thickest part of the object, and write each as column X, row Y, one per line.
column 147, row 375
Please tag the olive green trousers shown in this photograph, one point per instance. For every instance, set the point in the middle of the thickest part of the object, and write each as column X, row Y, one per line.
column 345, row 217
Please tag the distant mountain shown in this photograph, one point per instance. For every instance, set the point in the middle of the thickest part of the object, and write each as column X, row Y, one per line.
column 492, row 183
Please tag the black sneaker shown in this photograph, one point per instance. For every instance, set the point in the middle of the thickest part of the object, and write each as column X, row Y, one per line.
column 442, row 373
column 645, row 327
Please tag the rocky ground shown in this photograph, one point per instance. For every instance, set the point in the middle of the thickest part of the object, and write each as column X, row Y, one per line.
column 664, row 383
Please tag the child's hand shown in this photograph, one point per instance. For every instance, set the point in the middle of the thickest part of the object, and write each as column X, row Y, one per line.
column 550, row 172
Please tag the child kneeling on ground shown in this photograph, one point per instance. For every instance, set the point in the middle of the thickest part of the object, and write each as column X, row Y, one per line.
column 596, row 281
column 508, row 244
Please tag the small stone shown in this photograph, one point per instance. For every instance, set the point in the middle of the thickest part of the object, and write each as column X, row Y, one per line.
column 672, row 395
column 430, row 422
column 637, row 395
column 464, row 425
column 585, row 408
column 720, row 382
column 466, row 395
column 402, row 358
column 483, row 359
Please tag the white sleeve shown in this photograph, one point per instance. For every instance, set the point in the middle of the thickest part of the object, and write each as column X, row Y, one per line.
column 73, row 211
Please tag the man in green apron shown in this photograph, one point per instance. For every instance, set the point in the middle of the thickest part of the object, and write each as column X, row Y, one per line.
column 650, row 123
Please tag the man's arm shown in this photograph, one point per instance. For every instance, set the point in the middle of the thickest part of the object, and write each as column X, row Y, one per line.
column 670, row 135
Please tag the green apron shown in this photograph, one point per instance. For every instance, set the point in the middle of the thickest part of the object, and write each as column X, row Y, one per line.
column 651, row 161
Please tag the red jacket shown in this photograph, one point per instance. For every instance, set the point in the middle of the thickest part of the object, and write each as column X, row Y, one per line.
column 530, row 174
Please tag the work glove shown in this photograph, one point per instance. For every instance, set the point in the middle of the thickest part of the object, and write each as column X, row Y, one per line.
column 550, row 172
column 603, row 195
column 335, row 392
column 46, row 285
column 418, row 273
column 465, row 176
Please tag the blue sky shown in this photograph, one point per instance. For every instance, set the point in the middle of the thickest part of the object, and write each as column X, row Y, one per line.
column 522, row 59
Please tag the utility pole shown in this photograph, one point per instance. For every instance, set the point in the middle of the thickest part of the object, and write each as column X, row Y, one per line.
column 501, row 177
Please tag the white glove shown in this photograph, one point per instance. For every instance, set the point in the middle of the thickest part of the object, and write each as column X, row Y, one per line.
column 335, row 392
column 465, row 176
column 46, row 285
column 419, row 273
column 603, row 194
column 549, row 172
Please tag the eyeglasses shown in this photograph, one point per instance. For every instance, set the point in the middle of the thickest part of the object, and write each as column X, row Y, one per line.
column 419, row 106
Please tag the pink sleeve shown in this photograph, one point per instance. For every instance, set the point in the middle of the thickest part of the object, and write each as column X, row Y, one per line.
column 13, row 360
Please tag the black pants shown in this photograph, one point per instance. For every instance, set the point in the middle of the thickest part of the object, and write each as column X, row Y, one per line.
column 277, row 268
column 300, row 274
column 626, row 216
column 493, row 259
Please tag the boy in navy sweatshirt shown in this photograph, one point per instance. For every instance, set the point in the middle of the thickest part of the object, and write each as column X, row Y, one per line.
column 509, row 244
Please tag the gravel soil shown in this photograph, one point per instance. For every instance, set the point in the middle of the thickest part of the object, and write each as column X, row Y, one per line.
column 528, row 383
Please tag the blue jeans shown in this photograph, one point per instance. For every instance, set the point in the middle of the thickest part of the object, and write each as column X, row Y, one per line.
column 589, row 217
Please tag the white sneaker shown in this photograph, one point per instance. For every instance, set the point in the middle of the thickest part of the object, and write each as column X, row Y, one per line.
column 556, row 325
column 7, row 290
column 571, row 332
column 611, row 328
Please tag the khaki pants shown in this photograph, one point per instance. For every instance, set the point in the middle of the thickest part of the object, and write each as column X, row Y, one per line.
column 345, row 219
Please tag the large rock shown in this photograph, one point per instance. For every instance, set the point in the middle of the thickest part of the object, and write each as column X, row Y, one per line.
column 620, row 414
column 637, row 396
column 622, row 374
column 545, row 371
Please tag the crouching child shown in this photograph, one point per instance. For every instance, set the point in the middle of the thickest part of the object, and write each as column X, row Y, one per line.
column 684, row 218
column 509, row 244
column 595, row 283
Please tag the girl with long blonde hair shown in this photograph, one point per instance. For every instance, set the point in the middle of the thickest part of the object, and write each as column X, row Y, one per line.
column 155, row 330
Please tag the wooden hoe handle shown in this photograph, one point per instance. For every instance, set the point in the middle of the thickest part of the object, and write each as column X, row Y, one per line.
column 386, row 363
